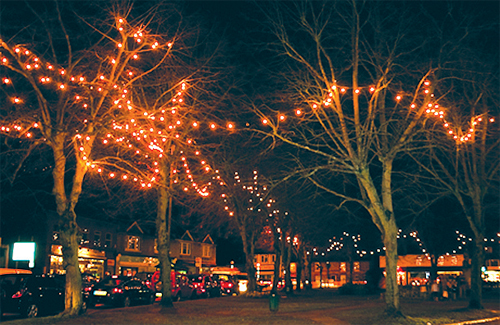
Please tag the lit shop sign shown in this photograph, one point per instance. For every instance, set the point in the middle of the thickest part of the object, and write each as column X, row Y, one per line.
column 82, row 252
column 24, row 252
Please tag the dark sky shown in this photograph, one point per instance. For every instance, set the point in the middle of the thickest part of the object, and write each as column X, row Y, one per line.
column 237, row 19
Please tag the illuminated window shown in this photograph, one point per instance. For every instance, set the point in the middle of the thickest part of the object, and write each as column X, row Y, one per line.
column 265, row 259
column 342, row 267
column 185, row 248
column 133, row 243
column 55, row 236
column 97, row 238
column 207, row 252
column 356, row 266
column 85, row 237
column 107, row 240
column 156, row 246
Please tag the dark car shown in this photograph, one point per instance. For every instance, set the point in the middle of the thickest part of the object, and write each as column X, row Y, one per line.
column 121, row 291
column 206, row 286
column 184, row 287
column 227, row 283
column 88, row 282
column 147, row 278
column 33, row 295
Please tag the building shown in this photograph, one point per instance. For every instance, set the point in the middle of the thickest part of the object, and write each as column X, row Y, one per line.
column 111, row 248
column 333, row 274
column 414, row 269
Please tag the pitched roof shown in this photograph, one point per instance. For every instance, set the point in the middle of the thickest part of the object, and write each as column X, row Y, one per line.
column 135, row 225
column 208, row 238
column 187, row 234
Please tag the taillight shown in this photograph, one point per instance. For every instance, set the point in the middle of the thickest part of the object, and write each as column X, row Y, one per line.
column 88, row 289
column 117, row 290
column 230, row 285
column 19, row 294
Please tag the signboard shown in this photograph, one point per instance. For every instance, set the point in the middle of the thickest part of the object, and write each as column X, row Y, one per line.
column 24, row 252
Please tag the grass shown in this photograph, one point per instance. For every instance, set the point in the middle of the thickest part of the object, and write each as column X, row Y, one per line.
column 313, row 307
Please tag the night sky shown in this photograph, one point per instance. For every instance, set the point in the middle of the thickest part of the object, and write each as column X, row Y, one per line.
column 238, row 22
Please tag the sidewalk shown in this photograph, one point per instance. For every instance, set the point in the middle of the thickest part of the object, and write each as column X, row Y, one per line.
column 305, row 308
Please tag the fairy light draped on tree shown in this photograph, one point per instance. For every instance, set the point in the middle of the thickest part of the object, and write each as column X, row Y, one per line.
column 145, row 132
column 423, row 103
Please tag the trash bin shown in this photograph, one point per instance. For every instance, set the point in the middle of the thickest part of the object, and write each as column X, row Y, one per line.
column 274, row 302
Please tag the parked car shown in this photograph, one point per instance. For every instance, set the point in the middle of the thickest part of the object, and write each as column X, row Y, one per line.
column 88, row 282
column 185, row 288
column 174, row 284
column 147, row 278
column 121, row 291
column 205, row 285
column 227, row 283
column 33, row 295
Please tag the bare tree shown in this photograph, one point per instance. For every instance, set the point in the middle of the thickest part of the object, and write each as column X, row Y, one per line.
column 64, row 90
column 463, row 161
column 358, row 100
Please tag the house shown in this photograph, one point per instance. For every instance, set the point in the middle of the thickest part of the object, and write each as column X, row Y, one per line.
column 109, row 248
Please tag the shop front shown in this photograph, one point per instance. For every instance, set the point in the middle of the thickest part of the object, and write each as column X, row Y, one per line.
column 131, row 265
column 91, row 261
column 415, row 270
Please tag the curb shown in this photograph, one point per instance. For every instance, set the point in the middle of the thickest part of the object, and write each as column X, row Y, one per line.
column 478, row 321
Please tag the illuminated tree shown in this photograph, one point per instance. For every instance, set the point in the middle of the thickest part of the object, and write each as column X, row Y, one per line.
column 246, row 200
column 466, row 167
column 65, row 80
column 355, row 102
column 156, row 149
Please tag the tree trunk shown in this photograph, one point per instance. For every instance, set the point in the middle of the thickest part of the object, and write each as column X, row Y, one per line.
column 351, row 267
column 67, row 218
column 277, row 264
column 434, row 259
column 163, row 223
column 288, row 276
column 476, row 285
column 308, row 268
column 300, row 265
column 69, row 242
column 391, row 281
column 248, row 249
column 381, row 211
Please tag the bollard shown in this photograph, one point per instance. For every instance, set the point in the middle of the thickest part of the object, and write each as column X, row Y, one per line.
column 274, row 302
